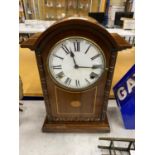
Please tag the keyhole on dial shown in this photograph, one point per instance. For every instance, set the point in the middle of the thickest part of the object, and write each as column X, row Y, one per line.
column 93, row 75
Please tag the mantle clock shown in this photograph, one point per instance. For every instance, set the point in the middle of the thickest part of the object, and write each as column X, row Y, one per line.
column 76, row 59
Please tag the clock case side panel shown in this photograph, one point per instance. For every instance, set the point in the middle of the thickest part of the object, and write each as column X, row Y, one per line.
column 43, row 84
column 108, row 83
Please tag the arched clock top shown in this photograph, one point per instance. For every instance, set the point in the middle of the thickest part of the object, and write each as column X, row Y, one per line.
column 76, row 24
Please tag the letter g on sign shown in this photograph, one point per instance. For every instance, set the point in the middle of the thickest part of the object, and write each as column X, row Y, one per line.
column 121, row 93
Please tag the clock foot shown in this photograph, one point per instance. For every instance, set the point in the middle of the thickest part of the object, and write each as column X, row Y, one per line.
column 69, row 126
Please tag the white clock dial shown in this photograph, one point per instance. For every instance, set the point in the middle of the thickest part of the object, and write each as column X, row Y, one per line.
column 76, row 62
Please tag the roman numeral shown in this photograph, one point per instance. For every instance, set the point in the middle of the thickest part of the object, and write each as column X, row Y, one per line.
column 88, row 82
column 60, row 75
column 93, row 75
column 76, row 46
column 64, row 47
column 57, row 67
column 97, row 66
column 87, row 49
column 68, row 81
column 58, row 56
column 77, row 83
column 94, row 57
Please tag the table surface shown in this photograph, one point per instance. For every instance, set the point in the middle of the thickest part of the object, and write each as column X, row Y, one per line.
column 34, row 26
column 34, row 142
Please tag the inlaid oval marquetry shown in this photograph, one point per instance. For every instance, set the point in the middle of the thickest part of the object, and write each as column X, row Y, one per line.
column 75, row 104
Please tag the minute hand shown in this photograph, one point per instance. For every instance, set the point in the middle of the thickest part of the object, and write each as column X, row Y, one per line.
column 84, row 67
column 93, row 67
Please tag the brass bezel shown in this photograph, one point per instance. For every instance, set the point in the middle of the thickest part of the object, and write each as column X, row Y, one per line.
column 69, row 88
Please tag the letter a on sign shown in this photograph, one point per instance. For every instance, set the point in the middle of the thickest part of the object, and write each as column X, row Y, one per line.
column 130, row 84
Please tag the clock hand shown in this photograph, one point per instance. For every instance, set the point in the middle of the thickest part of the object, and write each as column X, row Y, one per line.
column 97, row 66
column 93, row 67
column 72, row 55
column 84, row 67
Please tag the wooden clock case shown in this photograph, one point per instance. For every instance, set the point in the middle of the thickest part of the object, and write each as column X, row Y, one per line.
column 69, row 110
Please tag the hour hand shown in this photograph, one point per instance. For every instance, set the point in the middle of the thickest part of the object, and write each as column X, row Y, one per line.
column 72, row 55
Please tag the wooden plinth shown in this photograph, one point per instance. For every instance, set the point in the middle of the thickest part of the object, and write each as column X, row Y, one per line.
column 76, row 126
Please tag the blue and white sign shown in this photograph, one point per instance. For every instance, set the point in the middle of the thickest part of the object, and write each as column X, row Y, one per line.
column 124, row 92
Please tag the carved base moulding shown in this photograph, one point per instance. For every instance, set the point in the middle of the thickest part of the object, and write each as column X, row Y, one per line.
column 72, row 126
